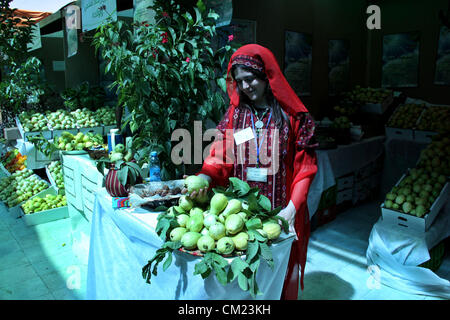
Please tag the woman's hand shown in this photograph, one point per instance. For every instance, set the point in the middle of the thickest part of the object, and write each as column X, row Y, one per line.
column 288, row 213
column 194, row 194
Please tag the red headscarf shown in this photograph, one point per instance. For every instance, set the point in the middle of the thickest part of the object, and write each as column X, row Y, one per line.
column 258, row 56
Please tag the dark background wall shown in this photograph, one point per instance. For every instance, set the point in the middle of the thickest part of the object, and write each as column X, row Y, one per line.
column 331, row 19
column 405, row 16
column 325, row 20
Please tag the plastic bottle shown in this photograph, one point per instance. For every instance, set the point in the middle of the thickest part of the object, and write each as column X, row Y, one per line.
column 154, row 168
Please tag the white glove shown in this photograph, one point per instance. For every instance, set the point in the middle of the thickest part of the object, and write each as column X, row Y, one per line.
column 288, row 213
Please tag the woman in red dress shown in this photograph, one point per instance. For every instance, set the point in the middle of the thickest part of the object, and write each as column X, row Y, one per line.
column 275, row 153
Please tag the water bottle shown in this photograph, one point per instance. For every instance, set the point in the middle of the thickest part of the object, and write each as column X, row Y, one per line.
column 154, row 168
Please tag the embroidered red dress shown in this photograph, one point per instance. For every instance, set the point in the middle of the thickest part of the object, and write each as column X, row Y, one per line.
column 285, row 152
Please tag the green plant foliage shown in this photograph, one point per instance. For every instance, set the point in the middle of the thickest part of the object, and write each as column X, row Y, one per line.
column 167, row 74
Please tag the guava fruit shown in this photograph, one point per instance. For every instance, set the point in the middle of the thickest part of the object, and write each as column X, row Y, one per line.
column 420, row 210
column 217, row 231
column 388, row 204
column 185, row 203
column 209, row 220
column 195, row 183
column 233, row 206
column 407, row 207
column 195, row 223
column 182, row 219
column 233, row 224
column 189, row 240
column 240, row 240
column 400, row 199
column 119, row 148
column 243, row 215
column 390, row 196
column 225, row 245
column 218, row 202
column 195, row 211
column 272, row 229
column 205, row 243
column 177, row 233
column 115, row 156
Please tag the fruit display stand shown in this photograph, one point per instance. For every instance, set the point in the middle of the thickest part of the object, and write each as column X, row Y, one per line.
column 346, row 160
column 122, row 240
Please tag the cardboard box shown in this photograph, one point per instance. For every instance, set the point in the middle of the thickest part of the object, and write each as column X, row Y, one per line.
column 12, row 133
column 409, row 222
column 344, row 195
column 345, row 182
column 16, row 211
column 45, row 216
column 93, row 130
column 107, row 129
column 378, row 108
column 57, row 132
column 398, row 133
column 424, row 136
column 48, row 134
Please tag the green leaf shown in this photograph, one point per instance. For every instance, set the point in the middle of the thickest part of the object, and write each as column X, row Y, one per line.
column 266, row 253
column 240, row 187
column 252, row 250
column 243, row 282
column 168, row 262
column 264, row 202
column 122, row 175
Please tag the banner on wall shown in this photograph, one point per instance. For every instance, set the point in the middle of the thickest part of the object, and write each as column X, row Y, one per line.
column 71, row 16
column 298, row 61
column 338, row 66
column 442, row 73
column 142, row 12
column 35, row 38
column 400, row 60
column 96, row 12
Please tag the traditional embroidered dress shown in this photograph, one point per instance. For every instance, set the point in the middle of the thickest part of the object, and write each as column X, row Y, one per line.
column 286, row 152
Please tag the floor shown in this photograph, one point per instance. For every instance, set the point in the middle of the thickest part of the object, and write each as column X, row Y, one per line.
column 37, row 263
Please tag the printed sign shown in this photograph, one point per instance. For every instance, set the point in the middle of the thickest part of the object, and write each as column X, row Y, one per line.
column 96, row 12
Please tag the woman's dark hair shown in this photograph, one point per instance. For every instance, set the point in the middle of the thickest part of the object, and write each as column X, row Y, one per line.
column 278, row 114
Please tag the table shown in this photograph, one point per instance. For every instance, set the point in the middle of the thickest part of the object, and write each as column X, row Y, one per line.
column 123, row 240
column 395, row 256
column 343, row 160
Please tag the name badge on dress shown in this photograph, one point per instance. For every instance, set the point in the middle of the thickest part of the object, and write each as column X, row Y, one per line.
column 243, row 136
column 257, row 174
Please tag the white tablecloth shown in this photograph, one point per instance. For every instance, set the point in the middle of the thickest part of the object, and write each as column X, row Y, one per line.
column 122, row 242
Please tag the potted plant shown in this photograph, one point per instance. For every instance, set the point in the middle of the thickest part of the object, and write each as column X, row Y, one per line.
column 123, row 171
column 167, row 74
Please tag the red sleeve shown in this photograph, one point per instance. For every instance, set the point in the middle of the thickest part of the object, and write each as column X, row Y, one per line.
column 305, row 161
column 220, row 161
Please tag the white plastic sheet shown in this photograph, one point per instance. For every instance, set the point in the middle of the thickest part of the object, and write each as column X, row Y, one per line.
column 395, row 256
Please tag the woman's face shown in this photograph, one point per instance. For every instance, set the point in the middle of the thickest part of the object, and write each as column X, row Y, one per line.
column 253, row 87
